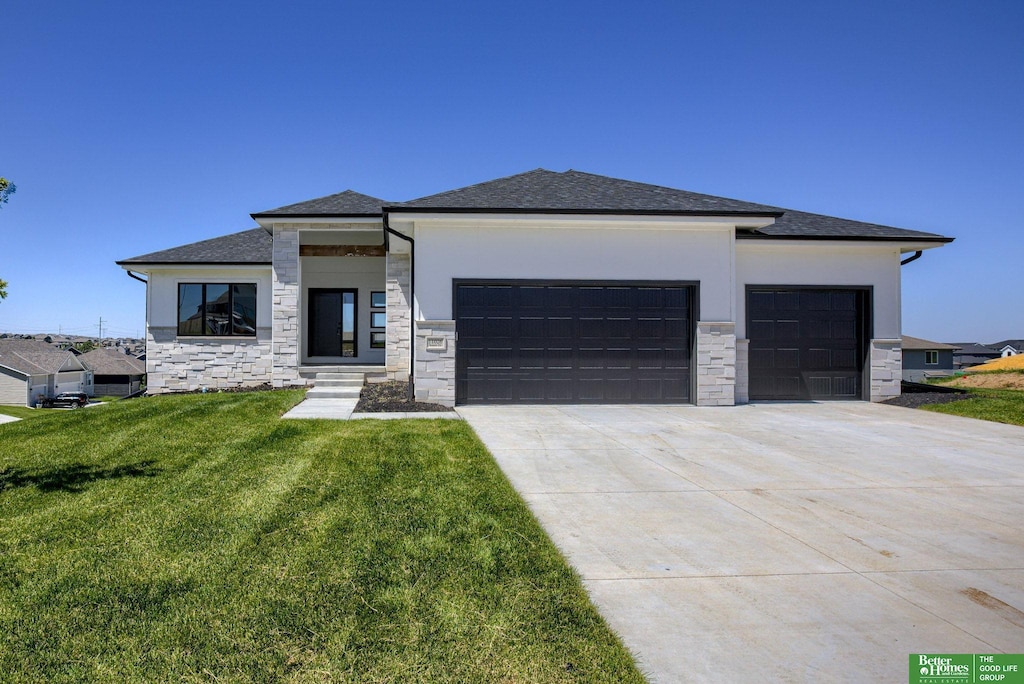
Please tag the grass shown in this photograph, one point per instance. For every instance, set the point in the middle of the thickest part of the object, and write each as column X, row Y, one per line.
column 1001, row 406
column 200, row 538
column 20, row 411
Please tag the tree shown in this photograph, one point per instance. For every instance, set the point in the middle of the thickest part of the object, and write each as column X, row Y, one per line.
column 7, row 188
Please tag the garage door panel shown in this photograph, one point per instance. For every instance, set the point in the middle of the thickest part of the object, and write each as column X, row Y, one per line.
column 513, row 340
column 814, row 351
column 787, row 358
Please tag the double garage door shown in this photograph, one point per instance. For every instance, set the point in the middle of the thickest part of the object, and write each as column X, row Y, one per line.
column 631, row 342
column 573, row 342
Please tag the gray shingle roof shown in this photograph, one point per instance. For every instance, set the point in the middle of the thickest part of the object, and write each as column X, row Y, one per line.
column 577, row 192
column 537, row 191
column 32, row 357
column 800, row 224
column 1016, row 344
column 974, row 349
column 347, row 203
column 910, row 343
column 253, row 246
column 104, row 361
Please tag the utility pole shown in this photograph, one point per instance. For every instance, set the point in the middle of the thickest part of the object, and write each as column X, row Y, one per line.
column 101, row 328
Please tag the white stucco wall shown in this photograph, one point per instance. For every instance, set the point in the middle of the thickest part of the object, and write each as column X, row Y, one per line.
column 163, row 290
column 837, row 263
column 623, row 251
column 365, row 274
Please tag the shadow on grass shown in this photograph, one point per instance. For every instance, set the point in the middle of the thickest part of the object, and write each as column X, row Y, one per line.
column 71, row 478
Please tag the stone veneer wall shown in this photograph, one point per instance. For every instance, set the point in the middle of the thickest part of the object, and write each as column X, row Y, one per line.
column 399, row 317
column 742, row 371
column 176, row 364
column 716, row 364
column 435, row 367
column 886, row 369
column 286, row 307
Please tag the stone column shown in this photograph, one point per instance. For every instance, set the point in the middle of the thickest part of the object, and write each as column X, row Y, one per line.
column 716, row 363
column 399, row 317
column 285, row 343
column 435, row 362
column 886, row 369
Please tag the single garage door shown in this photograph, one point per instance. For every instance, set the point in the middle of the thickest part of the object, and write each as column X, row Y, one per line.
column 807, row 343
column 572, row 342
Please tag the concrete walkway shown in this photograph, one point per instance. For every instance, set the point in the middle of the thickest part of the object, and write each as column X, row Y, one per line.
column 343, row 409
column 7, row 419
column 779, row 542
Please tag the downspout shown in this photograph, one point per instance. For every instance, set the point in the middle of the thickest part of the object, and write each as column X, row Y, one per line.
column 914, row 257
column 388, row 230
column 132, row 275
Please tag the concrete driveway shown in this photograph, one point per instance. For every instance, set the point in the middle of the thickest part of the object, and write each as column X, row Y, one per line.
column 779, row 542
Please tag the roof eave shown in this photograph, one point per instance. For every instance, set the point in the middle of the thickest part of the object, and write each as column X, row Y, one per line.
column 846, row 238
column 136, row 264
column 583, row 212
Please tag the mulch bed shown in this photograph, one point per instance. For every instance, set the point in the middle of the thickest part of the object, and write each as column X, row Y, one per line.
column 392, row 397
column 265, row 387
column 918, row 399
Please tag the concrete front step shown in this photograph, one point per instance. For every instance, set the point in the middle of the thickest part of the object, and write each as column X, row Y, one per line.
column 356, row 381
column 333, row 392
column 313, row 371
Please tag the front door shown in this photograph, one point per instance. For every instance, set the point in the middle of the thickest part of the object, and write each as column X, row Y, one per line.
column 332, row 322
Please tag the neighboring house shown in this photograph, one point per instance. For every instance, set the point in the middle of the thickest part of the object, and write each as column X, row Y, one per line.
column 924, row 359
column 32, row 369
column 1008, row 347
column 115, row 373
column 542, row 287
column 969, row 354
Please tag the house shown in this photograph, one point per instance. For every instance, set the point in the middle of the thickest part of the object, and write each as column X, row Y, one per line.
column 115, row 373
column 1008, row 347
column 542, row 287
column 33, row 369
column 923, row 359
column 969, row 354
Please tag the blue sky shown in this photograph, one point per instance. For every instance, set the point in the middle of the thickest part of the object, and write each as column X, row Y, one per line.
column 130, row 127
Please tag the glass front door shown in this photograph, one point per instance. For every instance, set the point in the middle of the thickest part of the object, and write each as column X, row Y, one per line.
column 332, row 322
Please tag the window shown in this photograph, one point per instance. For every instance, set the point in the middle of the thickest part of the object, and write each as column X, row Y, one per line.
column 931, row 357
column 378, row 321
column 222, row 309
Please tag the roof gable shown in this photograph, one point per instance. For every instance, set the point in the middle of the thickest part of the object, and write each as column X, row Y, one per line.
column 254, row 246
column 33, row 357
column 347, row 203
column 104, row 361
column 571, row 191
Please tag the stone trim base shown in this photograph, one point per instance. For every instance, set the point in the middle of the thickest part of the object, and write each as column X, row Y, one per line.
column 886, row 369
column 716, row 364
column 435, row 362
column 186, row 365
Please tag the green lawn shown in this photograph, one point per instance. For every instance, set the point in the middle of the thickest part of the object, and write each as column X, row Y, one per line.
column 20, row 411
column 1001, row 406
column 200, row 538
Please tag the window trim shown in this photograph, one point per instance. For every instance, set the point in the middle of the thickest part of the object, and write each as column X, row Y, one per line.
column 231, row 307
column 931, row 354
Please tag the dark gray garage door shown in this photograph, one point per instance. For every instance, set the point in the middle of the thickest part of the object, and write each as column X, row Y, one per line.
column 807, row 343
column 571, row 342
